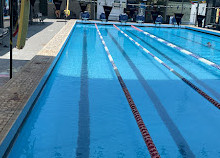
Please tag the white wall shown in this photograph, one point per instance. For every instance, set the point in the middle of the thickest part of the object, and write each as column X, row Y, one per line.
column 116, row 10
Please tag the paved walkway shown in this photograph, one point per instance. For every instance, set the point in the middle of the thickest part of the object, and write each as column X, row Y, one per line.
column 18, row 94
column 38, row 36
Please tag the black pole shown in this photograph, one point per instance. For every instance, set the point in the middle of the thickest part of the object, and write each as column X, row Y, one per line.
column 206, row 10
column 182, row 8
column 197, row 11
column 11, row 27
column 166, row 11
column 94, row 9
column 1, row 14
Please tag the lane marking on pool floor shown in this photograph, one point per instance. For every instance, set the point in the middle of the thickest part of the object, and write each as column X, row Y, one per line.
column 212, row 91
column 202, row 93
column 83, row 139
column 203, row 60
column 145, row 134
column 175, row 133
column 205, row 45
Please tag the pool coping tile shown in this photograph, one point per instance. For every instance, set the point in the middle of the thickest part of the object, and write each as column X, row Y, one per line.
column 190, row 27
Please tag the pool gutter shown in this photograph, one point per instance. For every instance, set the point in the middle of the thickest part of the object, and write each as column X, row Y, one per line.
column 18, row 94
column 204, row 30
column 129, row 24
column 189, row 27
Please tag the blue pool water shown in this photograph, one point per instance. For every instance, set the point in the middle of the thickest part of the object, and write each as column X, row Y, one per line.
column 82, row 110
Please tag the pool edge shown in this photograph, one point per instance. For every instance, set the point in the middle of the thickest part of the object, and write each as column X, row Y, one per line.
column 19, row 93
column 129, row 24
column 203, row 30
column 189, row 27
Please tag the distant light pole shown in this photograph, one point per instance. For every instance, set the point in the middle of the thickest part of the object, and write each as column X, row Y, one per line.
column 182, row 8
column 206, row 10
column 166, row 11
column 197, row 11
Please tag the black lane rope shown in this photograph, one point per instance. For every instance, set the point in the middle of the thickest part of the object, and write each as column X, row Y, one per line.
column 202, row 93
column 83, row 140
column 212, row 91
column 181, row 143
column 145, row 134
column 192, row 41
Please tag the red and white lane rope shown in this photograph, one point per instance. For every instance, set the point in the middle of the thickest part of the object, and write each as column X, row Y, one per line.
column 147, row 138
column 203, row 60
column 202, row 93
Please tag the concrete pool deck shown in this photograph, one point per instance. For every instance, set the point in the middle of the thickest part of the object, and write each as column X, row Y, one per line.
column 19, row 93
column 39, row 34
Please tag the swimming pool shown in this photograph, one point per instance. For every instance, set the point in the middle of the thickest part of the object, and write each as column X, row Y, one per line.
column 83, row 112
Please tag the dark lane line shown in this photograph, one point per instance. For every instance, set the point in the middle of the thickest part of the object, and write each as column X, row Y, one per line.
column 202, row 37
column 141, row 125
column 212, row 91
column 83, row 140
column 187, row 57
column 181, row 143
column 156, row 65
column 192, row 41
column 194, row 87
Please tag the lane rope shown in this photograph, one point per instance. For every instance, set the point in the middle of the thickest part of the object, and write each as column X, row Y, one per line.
column 175, row 133
column 202, row 93
column 194, row 77
column 145, row 134
column 203, row 60
column 205, row 45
